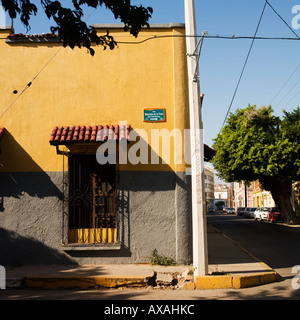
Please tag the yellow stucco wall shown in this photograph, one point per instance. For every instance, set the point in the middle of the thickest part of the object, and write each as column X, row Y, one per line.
column 75, row 88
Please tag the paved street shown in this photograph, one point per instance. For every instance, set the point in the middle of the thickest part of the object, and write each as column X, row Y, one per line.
column 275, row 244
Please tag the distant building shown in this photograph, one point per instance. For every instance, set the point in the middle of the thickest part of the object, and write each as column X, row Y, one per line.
column 261, row 197
column 209, row 178
column 243, row 195
column 221, row 193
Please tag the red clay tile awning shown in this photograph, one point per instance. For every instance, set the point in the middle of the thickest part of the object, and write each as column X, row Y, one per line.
column 87, row 134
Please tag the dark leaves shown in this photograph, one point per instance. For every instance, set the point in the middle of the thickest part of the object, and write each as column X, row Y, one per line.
column 71, row 28
column 25, row 8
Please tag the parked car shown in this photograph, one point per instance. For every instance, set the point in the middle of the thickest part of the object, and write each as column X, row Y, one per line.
column 261, row 213
column 230, row 210
column 274, row 214
column 251, row 212
column 246, row 212
column 240, row 211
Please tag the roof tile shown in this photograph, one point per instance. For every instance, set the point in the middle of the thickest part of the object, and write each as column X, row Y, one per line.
column 79, row 134
column 99, row 133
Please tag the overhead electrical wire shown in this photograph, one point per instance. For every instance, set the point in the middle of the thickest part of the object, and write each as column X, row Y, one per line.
column 224, row 37
column 148, row 39
column 257, row 38
column 294, row 96
column 296, row 67
column 233, row 37
column 30, row 82
column 283, row 86
column 268, row 3
column 286, row 94
column 244, row 66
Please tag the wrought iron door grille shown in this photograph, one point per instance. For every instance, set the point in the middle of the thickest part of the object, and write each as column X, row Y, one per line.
column 92, row 200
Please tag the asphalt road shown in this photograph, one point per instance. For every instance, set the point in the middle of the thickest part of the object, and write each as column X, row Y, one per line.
column 276, row 244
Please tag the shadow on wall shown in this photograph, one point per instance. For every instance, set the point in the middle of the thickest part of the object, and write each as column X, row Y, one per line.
column 22, row 186
column 20, row 174
column 16, row 250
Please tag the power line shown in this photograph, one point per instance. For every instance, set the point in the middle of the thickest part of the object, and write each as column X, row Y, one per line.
column 286, row 94
column 30, row 82
column 224, row 37
column 292, row 98
column 233, row 37
column 297, row 66
column 284, row 84
column 27, row 86
column 244, row 66
column 267, row 2
column 158, row 37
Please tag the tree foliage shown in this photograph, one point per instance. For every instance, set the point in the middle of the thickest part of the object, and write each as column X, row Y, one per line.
column 256, row 145
column 71, row 28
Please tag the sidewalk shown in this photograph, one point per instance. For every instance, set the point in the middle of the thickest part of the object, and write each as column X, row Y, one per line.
column 230, row 266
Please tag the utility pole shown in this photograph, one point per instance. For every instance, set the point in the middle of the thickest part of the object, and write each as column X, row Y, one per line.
column 246, row 196
column 200, row 258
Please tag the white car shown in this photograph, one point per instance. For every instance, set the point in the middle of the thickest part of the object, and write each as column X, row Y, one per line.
column 251, row 212
column 261, row 213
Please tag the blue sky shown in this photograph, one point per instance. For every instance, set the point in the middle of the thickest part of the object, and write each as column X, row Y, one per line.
column 270, row 64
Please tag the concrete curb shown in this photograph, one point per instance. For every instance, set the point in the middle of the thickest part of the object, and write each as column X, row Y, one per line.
column 82, row 282
column 234, row 281
column 97, row 282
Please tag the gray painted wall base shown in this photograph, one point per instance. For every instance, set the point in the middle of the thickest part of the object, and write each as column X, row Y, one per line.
column 154, row 213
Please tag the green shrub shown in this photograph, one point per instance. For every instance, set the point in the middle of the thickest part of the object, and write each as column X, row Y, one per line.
column 157, row 259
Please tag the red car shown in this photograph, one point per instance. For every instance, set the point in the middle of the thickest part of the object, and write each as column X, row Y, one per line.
column 274, row 214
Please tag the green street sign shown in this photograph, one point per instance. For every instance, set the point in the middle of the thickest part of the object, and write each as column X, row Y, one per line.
column 154, row 115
